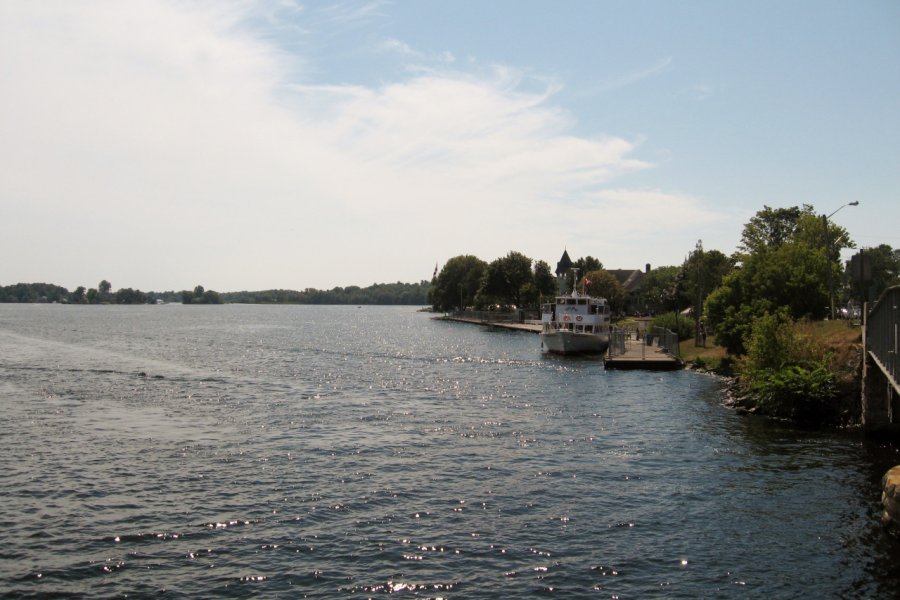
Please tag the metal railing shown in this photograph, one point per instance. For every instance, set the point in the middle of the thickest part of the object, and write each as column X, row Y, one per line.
column 665, row 339
column 493, row 316
column 617, row 337
column 882, row 325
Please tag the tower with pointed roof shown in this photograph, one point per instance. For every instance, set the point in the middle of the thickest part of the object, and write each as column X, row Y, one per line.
column 562, row 267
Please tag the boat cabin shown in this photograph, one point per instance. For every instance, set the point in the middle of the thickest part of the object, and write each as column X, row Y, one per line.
column 577, row 313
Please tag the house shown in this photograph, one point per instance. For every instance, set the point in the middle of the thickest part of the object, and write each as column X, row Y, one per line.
column 632, row 281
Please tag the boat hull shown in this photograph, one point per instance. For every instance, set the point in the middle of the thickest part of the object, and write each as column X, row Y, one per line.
column 569, row 342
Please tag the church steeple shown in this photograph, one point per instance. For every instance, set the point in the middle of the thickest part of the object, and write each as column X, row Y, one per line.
column 565, row 263
column 562, row 268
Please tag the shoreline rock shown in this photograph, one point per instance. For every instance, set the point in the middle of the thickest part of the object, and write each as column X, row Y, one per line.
column 890, row 500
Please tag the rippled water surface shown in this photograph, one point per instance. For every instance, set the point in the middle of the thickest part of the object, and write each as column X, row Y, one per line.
column 256, row 451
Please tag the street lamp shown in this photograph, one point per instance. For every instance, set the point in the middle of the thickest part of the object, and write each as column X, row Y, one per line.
column 827, row 252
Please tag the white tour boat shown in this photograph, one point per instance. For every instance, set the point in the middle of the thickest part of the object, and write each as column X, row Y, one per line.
column 575, row 324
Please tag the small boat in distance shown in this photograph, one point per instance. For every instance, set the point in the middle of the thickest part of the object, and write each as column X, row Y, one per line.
column 575, row 324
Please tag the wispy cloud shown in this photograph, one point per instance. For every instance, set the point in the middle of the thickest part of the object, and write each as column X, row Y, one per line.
column 628, row 79
column 353, row 12
column 157, row 126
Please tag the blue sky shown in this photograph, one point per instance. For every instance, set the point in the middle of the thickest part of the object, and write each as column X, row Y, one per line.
column 254, row 145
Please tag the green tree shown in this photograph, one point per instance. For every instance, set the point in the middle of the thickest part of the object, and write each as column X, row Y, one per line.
column 103, row 291
column 507, row 280
column 587, row 264
column 130, row 296
column 78, row 296
column 457, row 283
column 703, row 272
column 657, row 287
column 602, row 283
column 93, row 296
column 544, row 279
column 787, row 267
column 771, row 227
column 883, row 271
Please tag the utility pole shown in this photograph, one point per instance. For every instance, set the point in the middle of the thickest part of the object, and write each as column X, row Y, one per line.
column 828, row 253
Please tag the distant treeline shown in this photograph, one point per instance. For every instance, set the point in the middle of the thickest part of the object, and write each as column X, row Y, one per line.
column 379, row 293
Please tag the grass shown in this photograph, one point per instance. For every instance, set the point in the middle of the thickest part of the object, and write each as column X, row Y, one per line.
column 837, row 337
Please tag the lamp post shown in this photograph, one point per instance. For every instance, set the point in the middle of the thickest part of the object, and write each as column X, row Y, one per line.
column 828, row 252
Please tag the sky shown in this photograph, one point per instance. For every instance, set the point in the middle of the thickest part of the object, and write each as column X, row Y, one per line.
column 245, row 145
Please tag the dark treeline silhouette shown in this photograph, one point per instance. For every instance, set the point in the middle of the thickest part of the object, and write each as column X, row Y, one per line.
column 379, row 293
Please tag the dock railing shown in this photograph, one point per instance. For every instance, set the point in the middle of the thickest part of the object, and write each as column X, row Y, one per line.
column 664, row 339
column 489, row 316
column 617, row 337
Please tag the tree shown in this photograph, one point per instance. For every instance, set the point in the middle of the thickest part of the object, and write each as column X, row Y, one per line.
column 507, row 280
column 77, row 296
column 103, row 290
column 457, row 283
column 771, row 227
column 602, row 283
column 93, row 296
column 787, row 267
column 789, row 277
column 130, row 296
column 544, row 280
column 882, row 272
column 703, row 272
column 587, row 264
column 200, row 296
column 657, row 287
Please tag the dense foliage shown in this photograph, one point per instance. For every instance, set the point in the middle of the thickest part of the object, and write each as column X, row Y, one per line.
column 102, row 294
column 457, row 283
column 603, row 284
column 882, row 271
column 512, row 280
column 784, row 264
column 200, row 296
column 784, row 373
column 508, row 281
column 33, row 292
column 379, row 293
column 682, row 325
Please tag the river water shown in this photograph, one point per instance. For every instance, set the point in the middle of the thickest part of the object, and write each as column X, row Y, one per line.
column 355, row 452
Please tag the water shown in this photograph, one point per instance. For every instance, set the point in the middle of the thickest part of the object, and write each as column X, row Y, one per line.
column 299, row 451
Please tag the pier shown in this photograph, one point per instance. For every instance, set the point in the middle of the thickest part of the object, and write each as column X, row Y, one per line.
column 632, row 354
column 638, row 355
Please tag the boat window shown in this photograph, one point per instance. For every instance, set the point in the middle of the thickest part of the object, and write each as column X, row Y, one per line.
column 570, row 300
column 582, row 301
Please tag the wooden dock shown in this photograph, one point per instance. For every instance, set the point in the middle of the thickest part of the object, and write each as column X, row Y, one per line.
column 640, row 356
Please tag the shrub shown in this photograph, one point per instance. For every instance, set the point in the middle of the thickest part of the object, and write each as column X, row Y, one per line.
column 683, row 326
column 784, row 373
column 798, row 392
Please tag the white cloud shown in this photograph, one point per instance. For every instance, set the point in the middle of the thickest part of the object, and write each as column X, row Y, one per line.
column 160, row 146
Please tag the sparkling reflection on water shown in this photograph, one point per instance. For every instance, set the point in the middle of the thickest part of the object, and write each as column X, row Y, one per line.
column 355, row 452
